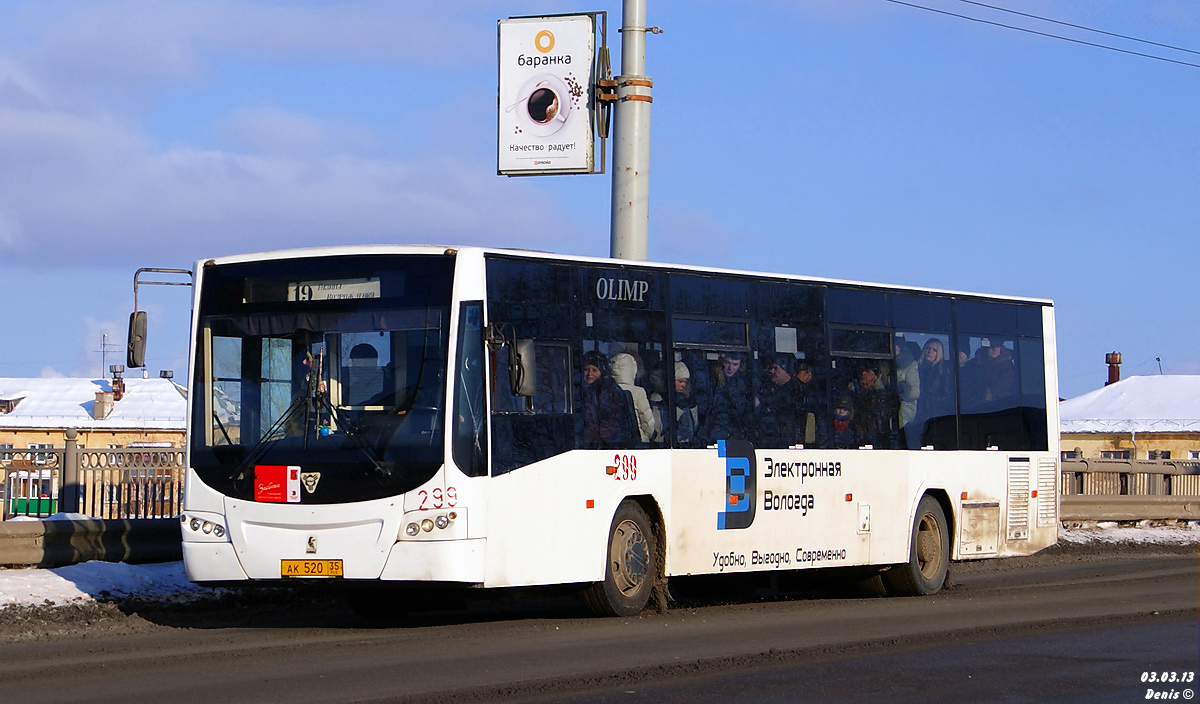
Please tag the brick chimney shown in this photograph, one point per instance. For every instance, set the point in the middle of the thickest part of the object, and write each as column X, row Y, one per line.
column 1113, row 360
column 118, row 384
column 103, row 405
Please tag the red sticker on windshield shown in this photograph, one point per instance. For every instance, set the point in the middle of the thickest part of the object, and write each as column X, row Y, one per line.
column 276, row 483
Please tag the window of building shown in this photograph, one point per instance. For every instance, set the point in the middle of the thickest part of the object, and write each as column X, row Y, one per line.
column 40, row 457
column 1070, row 454
column 1158, row 454
column 1114, row 454
column 1194, row 454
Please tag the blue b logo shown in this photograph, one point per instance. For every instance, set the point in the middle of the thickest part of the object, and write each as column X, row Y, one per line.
column 740, row 494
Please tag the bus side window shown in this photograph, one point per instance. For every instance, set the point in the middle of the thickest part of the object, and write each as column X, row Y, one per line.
column 930, row 395
column 470, row 435
column 529, row 429
column 1001, row 383
column 791, row 401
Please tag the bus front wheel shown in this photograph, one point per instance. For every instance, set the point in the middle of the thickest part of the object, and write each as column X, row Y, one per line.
column 630, row 567
column 928, row 554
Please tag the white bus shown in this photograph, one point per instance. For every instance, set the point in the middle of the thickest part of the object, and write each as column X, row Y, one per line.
column 411, row 416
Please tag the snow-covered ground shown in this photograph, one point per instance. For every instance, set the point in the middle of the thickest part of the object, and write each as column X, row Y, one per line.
column 1104, row 532
column 91, row 581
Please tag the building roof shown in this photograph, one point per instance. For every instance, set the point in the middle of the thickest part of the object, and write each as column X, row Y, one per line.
column 153, row 404
column 1139, row 404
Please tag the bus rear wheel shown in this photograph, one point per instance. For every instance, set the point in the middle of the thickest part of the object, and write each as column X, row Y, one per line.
column 630, row 567
column 928, row 554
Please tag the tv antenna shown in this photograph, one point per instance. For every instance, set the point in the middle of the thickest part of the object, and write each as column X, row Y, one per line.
column 105, row 348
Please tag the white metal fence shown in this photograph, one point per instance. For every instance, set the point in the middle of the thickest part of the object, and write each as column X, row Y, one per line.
column 113, row 484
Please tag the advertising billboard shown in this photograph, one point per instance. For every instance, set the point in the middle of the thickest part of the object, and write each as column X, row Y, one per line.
column 545, row 102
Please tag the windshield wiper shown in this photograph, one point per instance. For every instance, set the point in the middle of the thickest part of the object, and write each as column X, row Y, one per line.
column 266, row 442
column 367, row 450
column 221, row 425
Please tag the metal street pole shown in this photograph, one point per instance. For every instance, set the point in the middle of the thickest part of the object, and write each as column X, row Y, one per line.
column 631, row 140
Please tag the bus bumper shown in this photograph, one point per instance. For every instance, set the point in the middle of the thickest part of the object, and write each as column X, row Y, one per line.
column 212, row 562
column 437, row 560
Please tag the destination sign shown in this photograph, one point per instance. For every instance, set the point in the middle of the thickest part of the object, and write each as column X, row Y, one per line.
column 333, row 290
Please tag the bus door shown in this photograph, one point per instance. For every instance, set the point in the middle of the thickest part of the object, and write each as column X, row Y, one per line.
column 622, row 335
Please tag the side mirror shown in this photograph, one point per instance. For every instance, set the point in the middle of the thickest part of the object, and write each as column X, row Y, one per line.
column 522, row 368
column 136, row 352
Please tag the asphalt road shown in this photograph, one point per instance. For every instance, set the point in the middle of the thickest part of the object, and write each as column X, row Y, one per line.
column 1070, row 624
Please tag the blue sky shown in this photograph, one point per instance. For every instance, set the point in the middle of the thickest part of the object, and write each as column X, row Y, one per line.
column 855, row 139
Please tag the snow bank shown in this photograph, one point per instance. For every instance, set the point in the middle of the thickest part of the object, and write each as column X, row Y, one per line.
column 92, row 580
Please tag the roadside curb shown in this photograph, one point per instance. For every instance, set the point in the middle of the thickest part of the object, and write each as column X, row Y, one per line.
column 66, row 542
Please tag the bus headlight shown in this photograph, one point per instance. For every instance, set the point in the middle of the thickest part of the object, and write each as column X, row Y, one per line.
column 431, row 525
column 203, row 528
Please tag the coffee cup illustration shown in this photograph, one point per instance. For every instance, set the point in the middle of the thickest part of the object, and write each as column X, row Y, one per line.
column 543, row 104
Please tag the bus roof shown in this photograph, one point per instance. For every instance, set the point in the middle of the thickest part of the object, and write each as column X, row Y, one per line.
column 307, row 252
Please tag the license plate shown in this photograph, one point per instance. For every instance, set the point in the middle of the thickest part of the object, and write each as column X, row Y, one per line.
column 311, row 568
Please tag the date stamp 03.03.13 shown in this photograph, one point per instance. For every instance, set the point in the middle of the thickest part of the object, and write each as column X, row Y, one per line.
column 1173, row 685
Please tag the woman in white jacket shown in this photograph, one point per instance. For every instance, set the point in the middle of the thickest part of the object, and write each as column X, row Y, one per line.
column 624, row 370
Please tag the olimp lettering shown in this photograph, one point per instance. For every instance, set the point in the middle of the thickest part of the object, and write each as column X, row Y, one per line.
column 621, row 290
column 800, row 469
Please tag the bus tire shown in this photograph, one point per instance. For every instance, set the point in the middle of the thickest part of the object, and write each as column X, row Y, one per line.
column 928, row 554
column 630, row 566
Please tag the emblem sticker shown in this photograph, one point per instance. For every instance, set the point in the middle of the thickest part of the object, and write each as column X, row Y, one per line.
column 309, row 480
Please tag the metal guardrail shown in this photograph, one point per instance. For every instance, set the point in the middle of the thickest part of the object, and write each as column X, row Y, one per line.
column 31, row 481
column 131, row 483
column 108, row 484
column 1129, row 490
column 148, row 483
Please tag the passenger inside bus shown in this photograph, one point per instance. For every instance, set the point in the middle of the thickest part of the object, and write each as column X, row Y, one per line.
column 908, row 390
column 990, row 375
column 937, row 381
column 971, row 375
column 842, row 434
column 810, row 405
column 608, row 415
column 875, row 412
column 363, row 376
column 727, row 405
column 778, row 422
column 624, row 371
column 1000, row 373
column 686, row 417
column 655, row 383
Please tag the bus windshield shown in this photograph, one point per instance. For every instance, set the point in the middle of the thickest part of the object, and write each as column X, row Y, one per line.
column 337, row 367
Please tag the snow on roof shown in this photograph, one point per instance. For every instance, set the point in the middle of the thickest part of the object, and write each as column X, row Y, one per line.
column 1139, row 404
column 158, row 404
